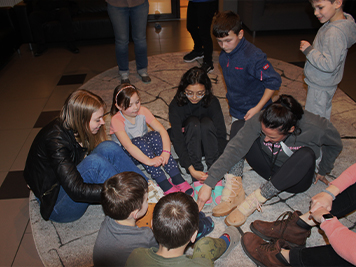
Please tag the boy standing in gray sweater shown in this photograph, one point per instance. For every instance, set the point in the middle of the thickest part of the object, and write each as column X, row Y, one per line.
column 325, row 62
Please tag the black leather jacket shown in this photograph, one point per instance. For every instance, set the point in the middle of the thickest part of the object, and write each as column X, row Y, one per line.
column 51, row 163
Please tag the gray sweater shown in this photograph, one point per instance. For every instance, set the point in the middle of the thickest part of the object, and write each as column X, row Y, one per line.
column 316, row 133
column 326, row 57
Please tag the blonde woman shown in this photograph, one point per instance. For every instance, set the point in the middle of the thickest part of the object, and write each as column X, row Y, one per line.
column 70, row 159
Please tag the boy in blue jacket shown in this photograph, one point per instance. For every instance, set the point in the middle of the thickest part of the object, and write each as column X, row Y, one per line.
column 249, row 77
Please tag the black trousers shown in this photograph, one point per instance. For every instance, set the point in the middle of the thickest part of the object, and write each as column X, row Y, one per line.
column 201, row 139
column 38, row 18
column 199, row 18
column 343, row 204
column 294, row 176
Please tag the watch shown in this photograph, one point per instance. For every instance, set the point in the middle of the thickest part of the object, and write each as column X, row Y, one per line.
column 326, row 217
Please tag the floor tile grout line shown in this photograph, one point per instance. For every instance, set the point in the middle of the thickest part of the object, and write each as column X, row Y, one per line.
column 18, row 248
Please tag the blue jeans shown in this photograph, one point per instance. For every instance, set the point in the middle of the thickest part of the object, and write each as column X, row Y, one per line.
column 106, row 160
column 120, row 18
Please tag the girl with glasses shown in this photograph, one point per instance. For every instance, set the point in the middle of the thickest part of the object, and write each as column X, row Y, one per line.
column 198, row 127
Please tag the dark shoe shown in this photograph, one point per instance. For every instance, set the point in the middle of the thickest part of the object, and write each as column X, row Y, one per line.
column 288, row 226
column 125, row 80
column 194, row 55
column 144, row 77
column 72, row 48
column 206, row 225
column 207, row 67
column 40, row 50
column 263, row 253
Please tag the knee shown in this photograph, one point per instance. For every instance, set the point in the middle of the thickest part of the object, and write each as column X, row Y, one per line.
column 307, row 154
column 206, row 124
column 192, row 122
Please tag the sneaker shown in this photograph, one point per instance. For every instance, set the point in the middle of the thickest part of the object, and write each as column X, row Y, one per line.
column 124, row 77
column 207, row 67
column 232, row 195
column 196, row 186
column 235, row 237
column 185, row 188
column 144, row 76
column 206, row 225
column 194, row 55
column 288, row 226
column 263, row 253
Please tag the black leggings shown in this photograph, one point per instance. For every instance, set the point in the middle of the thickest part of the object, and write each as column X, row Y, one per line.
column 294, row 176
column 326, row 255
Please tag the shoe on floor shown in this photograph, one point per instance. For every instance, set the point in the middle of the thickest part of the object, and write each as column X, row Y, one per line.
column 144, row 77
column 41, row 48
column 194, row 55
column 235, row 237
column 124, row 77
column 263, row 253
column 288, row 226
column 206, row 226
column 252, row 202
column 72, row 48
column 207, row 67
column 233, row 195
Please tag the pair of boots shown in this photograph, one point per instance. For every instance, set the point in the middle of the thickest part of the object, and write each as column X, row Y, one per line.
column 286, row 232
column 234, row 204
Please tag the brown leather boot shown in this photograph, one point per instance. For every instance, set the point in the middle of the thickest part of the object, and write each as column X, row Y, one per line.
column 263, row 253
column 288, row 226
column 239, row 216
column 232, row 195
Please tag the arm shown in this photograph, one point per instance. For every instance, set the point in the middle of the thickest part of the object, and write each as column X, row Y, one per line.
column 157, row 126
column 266, row 96
column 135, row 151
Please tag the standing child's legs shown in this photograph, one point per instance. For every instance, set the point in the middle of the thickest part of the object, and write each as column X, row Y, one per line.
column 319, row 101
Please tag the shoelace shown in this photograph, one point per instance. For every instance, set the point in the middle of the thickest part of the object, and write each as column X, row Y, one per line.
column 284, row 218
column 253, row 200
column 268, row 246
column 231, row 186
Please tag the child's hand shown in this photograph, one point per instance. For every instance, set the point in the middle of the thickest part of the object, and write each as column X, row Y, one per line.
column 200, row 176
column 165, row 157
column 251, row 113
column 156, row 161
column 304, row 45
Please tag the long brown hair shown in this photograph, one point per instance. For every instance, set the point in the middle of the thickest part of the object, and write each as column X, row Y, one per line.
column 76, row 114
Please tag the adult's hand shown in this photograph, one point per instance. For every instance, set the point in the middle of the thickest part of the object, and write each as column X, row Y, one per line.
column 317, row 214
column 203, row 196
column 321, row 200
column 321, row 178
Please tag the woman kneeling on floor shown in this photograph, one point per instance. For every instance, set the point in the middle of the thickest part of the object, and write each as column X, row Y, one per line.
column 69, row 159
column 281, row 144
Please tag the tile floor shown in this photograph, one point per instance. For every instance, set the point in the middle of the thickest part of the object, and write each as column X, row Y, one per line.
column 32, row 91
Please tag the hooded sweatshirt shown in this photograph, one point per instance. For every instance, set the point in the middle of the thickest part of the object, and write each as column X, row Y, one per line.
column 325, row 62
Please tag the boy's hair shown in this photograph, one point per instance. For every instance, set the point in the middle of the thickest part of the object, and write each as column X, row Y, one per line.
column 122, row 194
column 175, row 219
column 224, row 22
column 194, row 76
column 283, row 114
column 76, row 114
column 331, row 1
column 122, row 97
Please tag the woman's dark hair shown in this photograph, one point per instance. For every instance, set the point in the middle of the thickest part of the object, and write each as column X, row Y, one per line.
column 283, row 114
column 194, row 76
column 122, row 194
column 175, row 220
column 122, row 96
column 224, row 22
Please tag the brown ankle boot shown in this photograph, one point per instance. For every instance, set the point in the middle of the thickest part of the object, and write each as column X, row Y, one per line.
column 285, row 227
column 263, row 253
column 233, row 195
column 253, row 201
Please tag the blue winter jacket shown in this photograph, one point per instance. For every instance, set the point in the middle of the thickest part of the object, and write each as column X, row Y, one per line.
column 247, row 74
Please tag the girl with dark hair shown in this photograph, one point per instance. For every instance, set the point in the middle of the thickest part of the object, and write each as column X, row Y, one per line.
column 69, row 159
column 152, row 149
column 198, row 126
column 281, row 144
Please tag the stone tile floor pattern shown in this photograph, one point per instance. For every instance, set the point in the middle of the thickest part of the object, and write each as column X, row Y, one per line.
column 71, row 244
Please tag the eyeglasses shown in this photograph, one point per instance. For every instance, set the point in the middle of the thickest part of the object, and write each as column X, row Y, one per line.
column 199, row 94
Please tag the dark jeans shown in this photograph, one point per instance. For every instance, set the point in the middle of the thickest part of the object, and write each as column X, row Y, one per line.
column 325, row 255
column 200, row 138
column 199, row 18
column 294, row 176
column 40, row 17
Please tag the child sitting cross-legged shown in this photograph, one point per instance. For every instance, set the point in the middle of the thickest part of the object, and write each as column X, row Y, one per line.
column 175, row 224
column 124, row 200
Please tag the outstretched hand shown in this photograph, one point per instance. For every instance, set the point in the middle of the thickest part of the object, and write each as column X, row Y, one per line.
column 321, row 178
column 203, row 196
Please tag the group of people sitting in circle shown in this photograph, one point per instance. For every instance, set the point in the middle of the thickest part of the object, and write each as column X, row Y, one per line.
column 72, row 165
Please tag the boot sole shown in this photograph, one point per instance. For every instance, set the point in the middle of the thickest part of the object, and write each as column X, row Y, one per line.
column 229, row 224
column 223, row 214
column 256, row 232
column 192, row 60
column 249, row 255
